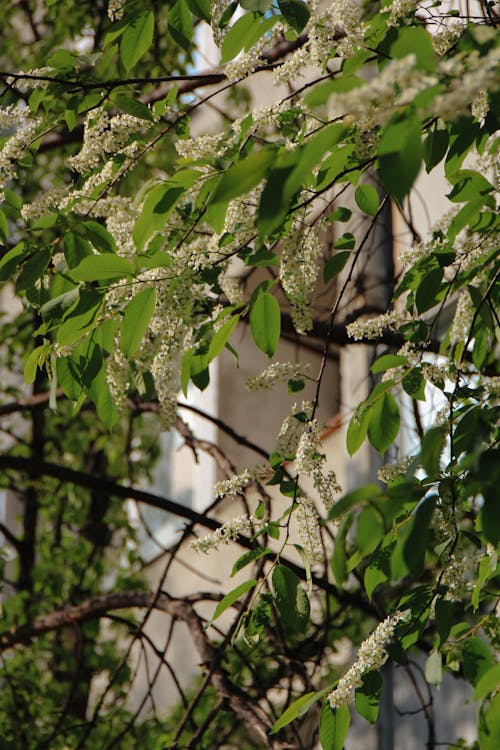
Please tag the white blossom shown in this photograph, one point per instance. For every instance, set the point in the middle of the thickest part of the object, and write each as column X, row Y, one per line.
column 372, row 654
column 116, row 9
column 374, row 327
column 225, row 534
column 233, row 486
column 276, row 373
column 308, row 529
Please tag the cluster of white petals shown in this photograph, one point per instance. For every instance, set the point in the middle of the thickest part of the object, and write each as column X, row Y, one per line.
column 292, row 429
column 103, row 134
column 300, row 253
column 225, row 534
column 310, row 461
column 395, row 470
column 399, row 9
column 308, row 528
column 116, row 9
column 372, row 654
column 16, row 144
column 462, row 320
column 233, row 486
column 277, row 373
column 374, row 327
column 481, row 74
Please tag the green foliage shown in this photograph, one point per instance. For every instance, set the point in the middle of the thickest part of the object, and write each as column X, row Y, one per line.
column 141, row 240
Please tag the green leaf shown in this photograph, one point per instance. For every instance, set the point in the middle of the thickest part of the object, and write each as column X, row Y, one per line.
column 34, row 360
column 333, row 726
column 160, row 202
column 249, row 557
column 233, row 596
column 351, row 499
column 335, row 265
column 243, row 176
column 11, row 260
column 340, row 214
column 137, row 39
column 409, row 553
column 345, row 241
column 201, row 8
column 433, row 443
column 265, row 323
column 489, row 724
column 384, row 422
column 235, row 39
column 222, row 336
column 468, row 185
column 387, row 361
column 369, row 531
column 338, row 562
column 136, row 319
column 99, row 236
column 434, row 668
column 367, row 198
column 490, row 515
column 427, row 292
column 180, row 24
column 477, row 660
column 367, row 696
column 400, row 156
column 75, row 248
column 291, row 600
column 295, row 12
column 414, row 383
column 487, row 567
column 102, row 268
column 378, row 570
column 488, row 682
column 416, row 40
column 358, row 428
column 82, row 318
column 298, row 708
column 4, row 227
column 133, row 107
column 435, row 145
column 33, row 269
column 444, row 610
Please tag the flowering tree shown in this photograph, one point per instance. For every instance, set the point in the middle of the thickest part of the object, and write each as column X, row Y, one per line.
column 133, row 248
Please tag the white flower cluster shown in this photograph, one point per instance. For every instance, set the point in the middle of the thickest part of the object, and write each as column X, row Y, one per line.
column 225, row 534
column 345, row 16
column 308, row 530
column 44, row 204
column 310, row 461
column 27, row 80
column 16, row 145
column 481, row 75
column 276, row 373
column 233, row 486
column 204, row 146
column 398, row 9
column 414, row 253
column 103, row 134
column 446, row 37
column 373, row 103
column 292, row 429
column 395, row 470
column 116, row 9
column 462, row 320
column 372, row 654
column 374, row 327
column 480, row 105
column 300, row 253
